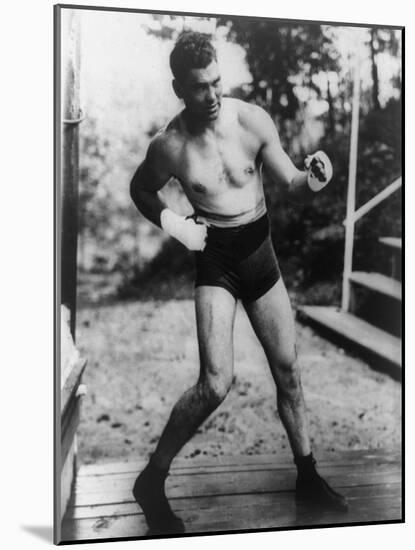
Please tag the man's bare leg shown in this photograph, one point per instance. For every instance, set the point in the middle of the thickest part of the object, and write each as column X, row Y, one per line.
column 215, row 315
column 273, row 321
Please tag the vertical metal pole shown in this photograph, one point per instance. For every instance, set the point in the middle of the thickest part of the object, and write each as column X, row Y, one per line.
column 351, row 188
column 70, row 166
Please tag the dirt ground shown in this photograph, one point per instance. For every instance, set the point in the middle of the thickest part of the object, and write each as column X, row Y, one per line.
column 143, row 355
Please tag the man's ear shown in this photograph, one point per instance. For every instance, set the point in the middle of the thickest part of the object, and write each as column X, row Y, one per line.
column 177, row 89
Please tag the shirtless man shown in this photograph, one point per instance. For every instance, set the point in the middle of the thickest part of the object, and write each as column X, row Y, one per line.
column 217, row 148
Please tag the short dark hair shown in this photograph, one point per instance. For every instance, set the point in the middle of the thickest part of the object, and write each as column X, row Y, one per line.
column 193, row 50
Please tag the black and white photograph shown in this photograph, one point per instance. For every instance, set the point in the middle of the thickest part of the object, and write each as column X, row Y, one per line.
column 228, row 226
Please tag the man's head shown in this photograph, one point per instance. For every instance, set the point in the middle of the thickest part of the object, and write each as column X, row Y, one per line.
column 196, row 74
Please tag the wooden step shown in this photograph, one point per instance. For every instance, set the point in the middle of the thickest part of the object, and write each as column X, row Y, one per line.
column 378, row 283
column 357, row 331
column 393, row 242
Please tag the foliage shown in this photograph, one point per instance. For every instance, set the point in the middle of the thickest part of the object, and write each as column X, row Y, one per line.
column 169, row 275
column 293, row 67
column 278, row 56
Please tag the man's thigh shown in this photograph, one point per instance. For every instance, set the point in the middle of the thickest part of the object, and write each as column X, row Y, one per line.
column 272, row 319
column 215, row 315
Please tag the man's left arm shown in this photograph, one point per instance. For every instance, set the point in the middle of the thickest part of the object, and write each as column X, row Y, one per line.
column 300, row 184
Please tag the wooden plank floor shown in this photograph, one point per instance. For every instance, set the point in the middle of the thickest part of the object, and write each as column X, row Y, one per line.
column 233, row 494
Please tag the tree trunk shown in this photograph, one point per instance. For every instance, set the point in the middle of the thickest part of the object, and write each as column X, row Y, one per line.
column 375, row 76
column 331, row 109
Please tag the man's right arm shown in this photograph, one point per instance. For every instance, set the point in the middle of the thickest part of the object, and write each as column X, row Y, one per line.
column 147, row 181
column 150, row 177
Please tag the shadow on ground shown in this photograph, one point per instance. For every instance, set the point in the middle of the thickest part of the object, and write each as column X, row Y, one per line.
column 43, row 532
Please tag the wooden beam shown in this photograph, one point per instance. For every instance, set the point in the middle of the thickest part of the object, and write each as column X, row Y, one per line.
column 71, row 384
column 283, row 459
column 351, row 189
column 70, row 163
column 114, row 489
column 378, row 283
column 393, row 242
column 377, row 342
column 67, row 480
column 67, row 41
column 377, row 199
column 221, row 503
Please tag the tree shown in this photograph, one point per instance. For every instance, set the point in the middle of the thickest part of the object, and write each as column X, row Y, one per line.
column 282, row 58
column 381, row 40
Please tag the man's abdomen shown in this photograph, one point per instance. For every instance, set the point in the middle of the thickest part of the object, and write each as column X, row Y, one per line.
column 223, row 220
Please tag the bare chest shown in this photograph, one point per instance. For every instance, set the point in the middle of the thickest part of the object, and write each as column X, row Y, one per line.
column 211, row 165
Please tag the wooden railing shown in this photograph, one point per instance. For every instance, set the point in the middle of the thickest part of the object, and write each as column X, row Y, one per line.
column 350, row 221
column 377, row 199
column 352, row 215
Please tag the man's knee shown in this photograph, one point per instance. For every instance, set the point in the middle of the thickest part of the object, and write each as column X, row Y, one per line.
column 288, row 372
column 215, row 388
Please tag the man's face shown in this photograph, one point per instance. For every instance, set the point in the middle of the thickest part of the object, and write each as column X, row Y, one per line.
column 201, row 92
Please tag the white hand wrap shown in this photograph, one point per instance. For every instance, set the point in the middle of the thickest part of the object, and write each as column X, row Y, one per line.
column 313, row 181
column 187, row 231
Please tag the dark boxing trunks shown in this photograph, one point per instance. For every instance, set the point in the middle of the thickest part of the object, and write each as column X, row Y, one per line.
column 240, row 259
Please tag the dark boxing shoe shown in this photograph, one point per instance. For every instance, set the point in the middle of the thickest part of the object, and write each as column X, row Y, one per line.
column 148, row 492
column 313, row 491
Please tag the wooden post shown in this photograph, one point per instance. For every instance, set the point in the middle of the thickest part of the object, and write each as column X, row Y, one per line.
column 68, row 374
column 351, row 189
column 70, row 164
